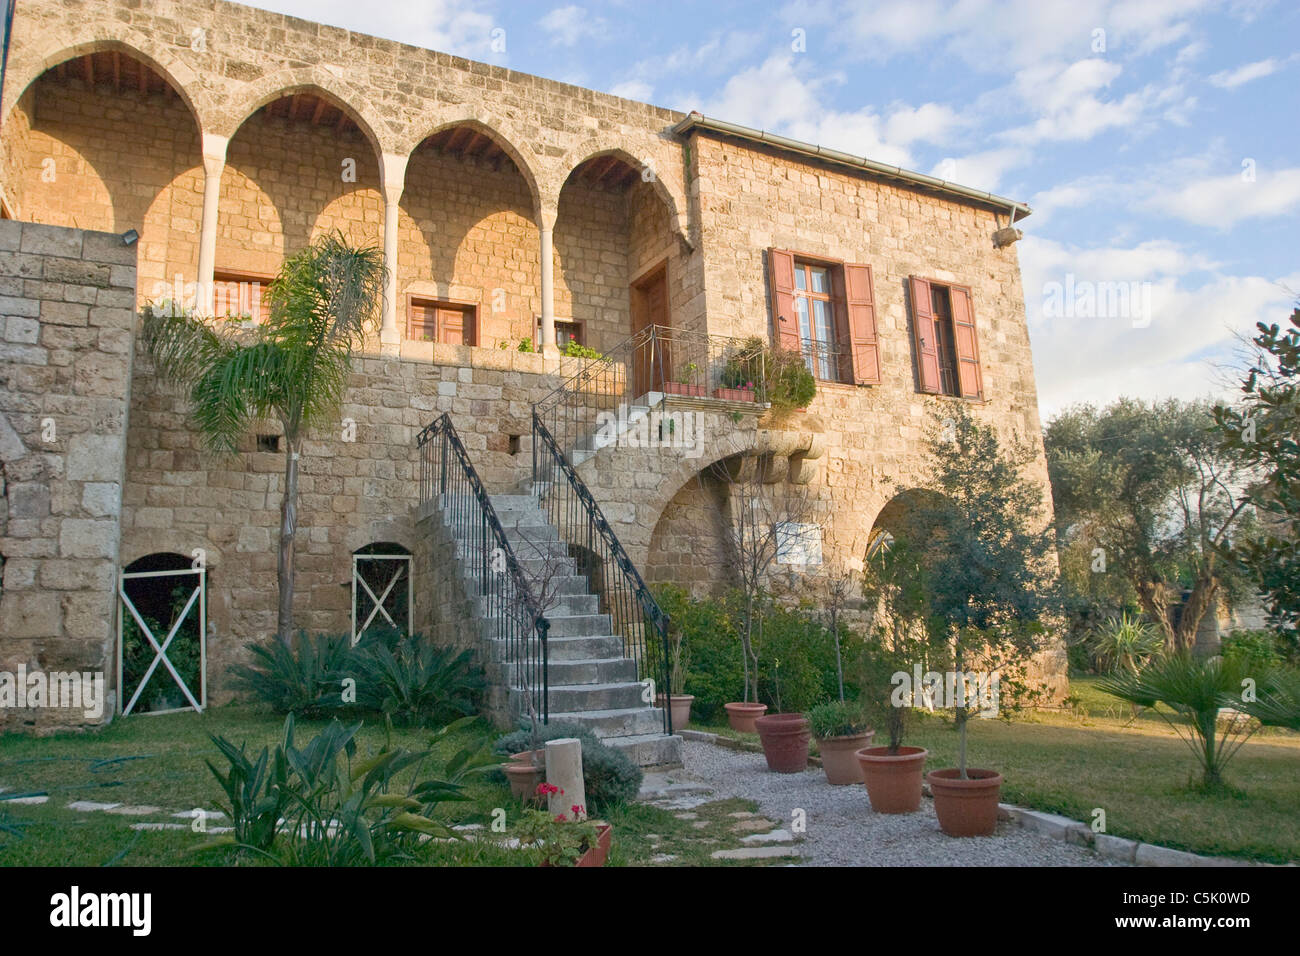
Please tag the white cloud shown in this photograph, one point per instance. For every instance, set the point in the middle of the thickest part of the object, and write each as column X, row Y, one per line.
column 929, row 122
column 633, row 90
column 981, row 170
column 1231, row 79
column 1224, row 201
column 570, row 24
column 461, row 27
column 1066, row 101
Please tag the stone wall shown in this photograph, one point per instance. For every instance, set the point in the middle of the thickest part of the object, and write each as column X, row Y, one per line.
column 66, row 299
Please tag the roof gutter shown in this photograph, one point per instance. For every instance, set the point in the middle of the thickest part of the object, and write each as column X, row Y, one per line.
column 1017, row 210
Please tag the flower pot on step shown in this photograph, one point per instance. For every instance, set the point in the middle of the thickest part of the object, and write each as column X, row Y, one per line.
column 893, row 780
column 742, row 716
column 785, row 741
column 680, row 705
column 691, row 391
column 969, row 807
column 840, row 757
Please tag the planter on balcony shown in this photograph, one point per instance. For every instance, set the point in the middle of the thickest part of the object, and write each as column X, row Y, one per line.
column 734, row 394
column 677, row 388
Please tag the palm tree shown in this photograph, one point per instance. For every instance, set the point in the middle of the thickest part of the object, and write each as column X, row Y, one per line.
column 293, row 367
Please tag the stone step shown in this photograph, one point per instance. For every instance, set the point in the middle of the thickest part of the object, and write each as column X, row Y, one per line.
column 622, row 722
column 649, row 750
column 599, row 671
column 598, row 698
column 504, row 503
column 575, row 603
column 579, row 625
column 564, row 648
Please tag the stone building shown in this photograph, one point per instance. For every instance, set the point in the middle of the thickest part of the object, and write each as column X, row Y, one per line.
column 219, row 139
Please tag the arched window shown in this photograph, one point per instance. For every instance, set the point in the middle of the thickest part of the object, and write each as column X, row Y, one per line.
column 381, row 588
column 162, row 639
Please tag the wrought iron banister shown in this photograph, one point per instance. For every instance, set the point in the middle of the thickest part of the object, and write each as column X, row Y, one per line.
column 571, row 507
column 505, row 593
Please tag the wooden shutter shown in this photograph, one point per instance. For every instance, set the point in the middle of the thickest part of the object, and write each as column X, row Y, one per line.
column 927, row 338
column 862, row 342
column 785, row 321
column 451, row 326
column 970, row 382
column 422, row 322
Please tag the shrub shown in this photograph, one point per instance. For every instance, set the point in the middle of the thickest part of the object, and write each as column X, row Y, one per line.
column 715, row 672
column 400, row 675
column 414, row 682
column 574, row 349
column 1125, row 643
column 608, row 775
column 1254, row 650
column 301, row 678
column 797, row 659
column 838, row 718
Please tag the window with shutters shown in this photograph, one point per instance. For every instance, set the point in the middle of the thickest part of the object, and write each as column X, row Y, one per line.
column 947, row 352
column 566, row 331
column 240, row 295
column 450, row 323
column 825, row 310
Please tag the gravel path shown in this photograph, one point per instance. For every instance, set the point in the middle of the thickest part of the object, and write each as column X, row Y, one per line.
column 842, row 830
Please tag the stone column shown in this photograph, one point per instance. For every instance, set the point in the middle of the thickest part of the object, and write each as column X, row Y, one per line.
column 546, row 225
column 564, row 770
column 392, row 173
column 214, row 162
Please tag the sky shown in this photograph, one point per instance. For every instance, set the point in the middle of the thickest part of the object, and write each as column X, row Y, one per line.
column 1156, row 140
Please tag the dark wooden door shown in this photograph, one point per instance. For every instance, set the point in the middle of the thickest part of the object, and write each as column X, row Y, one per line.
column 651, row 365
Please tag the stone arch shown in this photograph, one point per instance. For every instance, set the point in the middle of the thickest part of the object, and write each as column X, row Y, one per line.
column 25, row 69
column 286, row 82
column 899, row 515
column 501, row 133
column 665, row 188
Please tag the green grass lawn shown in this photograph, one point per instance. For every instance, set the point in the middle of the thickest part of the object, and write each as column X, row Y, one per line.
column 1095, row 755
column 159, row 762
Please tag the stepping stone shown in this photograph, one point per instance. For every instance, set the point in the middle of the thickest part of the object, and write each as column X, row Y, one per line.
column 775, row 836
column 662, row 858
column 90, row 806
column 159, row 826
column 135, row 811
column 207, row 814
column 749, row 826
column 753, row 853
column 686, row 816
column 742, row 815
column 700, row 824
column 466, row 827
column 26, row 801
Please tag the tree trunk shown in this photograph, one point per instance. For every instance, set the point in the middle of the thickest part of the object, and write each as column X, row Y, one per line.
column 1194, row 609
column 288, row 528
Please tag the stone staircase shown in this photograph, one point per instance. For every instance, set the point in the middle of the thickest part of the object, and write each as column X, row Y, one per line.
column 627, row 419
column 592, row 682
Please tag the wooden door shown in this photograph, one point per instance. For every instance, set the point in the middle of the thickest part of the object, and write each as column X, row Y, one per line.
column 651, row 364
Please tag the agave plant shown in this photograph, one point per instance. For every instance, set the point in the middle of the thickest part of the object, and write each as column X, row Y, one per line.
column 1125, row 643
column 1197, row 688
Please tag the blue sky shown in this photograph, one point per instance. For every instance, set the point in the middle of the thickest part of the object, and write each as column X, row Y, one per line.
column 1156, row 139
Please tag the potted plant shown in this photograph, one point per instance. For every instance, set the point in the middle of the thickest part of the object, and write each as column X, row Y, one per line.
column 736, row 384
column 988, row 588
column 524, row 772
column 841, row 729
column 685, row 384
column 565, row 841
column 678, row 700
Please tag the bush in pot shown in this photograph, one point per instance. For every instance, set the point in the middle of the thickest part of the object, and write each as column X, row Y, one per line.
column 989, row 587
column 841, row 728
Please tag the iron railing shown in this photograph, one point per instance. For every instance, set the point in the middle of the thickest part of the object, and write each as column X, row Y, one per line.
column 505, row 595
column 600, row 557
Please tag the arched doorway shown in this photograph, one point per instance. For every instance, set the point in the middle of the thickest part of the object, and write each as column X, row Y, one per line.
column 162, row 635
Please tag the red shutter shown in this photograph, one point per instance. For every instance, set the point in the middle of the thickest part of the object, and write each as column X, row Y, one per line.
column 968, row 355
column 927, row 339
column 864, row 344
column 785, row 322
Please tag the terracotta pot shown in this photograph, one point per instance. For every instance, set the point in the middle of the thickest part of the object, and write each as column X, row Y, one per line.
column 785, row 741
column 597, row 855
column 742, row 716
column 680, row 705
column 840, row 757
column 893, row 780
column 734, row 394
column 524, row 778
column 966, row 808
column 677, row 388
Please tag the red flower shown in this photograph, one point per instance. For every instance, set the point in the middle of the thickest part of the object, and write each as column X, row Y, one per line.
column 560, row 818
column 577, row 809
column 546, row 789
